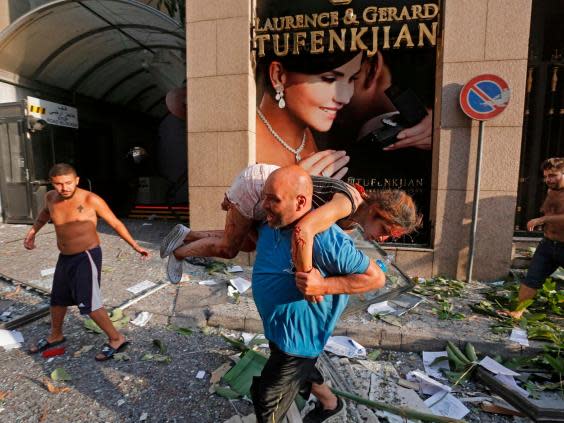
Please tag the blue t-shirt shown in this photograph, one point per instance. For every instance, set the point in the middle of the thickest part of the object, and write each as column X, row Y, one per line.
column 295, row 325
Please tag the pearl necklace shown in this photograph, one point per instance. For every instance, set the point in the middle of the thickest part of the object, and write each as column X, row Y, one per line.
column 295, row 151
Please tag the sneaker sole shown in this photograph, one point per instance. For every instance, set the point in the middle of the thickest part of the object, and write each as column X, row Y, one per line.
column 176, row 234
column 173, row 278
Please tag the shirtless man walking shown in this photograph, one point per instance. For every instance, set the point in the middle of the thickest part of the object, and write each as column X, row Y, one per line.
column 549, row 254
column 75, row 212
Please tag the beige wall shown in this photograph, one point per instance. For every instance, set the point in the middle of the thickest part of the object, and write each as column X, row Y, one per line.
column 480, row 36
column 221, row 103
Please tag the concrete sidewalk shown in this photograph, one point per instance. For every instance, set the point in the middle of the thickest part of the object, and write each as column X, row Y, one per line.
column 191, row 304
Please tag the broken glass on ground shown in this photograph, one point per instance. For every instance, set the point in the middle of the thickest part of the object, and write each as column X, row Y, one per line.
column 397, row 282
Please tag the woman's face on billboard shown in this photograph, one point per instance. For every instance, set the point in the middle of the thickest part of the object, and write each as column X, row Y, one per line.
column 316, row 99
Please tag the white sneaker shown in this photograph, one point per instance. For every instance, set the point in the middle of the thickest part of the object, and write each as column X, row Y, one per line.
column 173, row 240
column 174, row 269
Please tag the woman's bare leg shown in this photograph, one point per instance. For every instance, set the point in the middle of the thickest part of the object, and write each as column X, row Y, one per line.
column 237, row 228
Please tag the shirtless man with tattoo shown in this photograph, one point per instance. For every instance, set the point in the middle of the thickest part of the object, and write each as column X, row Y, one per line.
column 549, row 254
column 74, row 213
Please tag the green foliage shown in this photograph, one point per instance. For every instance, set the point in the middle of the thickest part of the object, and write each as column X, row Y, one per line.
column 446, row 311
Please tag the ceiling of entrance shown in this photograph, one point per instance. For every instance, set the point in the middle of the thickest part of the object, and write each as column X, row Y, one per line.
column 120, row 51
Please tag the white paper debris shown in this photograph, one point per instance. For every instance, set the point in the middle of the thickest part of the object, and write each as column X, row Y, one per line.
column 10, row 339
column 200, row 374
column 434, row 370
column 240, row 284
column 185, row 277
column 448, row 406
column 147, row 224
column 47, row 272
column 428, row 385
column 519, row 336
column 234, row 269
column 208, row 282
column 120, row 402
column 143, row 417
column 512, row 384
column 248, row 337
column 344, row 347
column 496, row 368
column 381, row 308
column 50, row 359
column 141, row 286
column 142, row 319
column 231, row 291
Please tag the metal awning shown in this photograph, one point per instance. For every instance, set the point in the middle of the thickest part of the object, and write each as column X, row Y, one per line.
column 112, row 50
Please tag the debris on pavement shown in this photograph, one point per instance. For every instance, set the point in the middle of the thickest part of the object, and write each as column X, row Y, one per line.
column 142, row 319
column 141, row 286
column 60, row 374
column 10, row 339
column 434, row 361
column 344, row 346
column 446, row 405
column 240, row 284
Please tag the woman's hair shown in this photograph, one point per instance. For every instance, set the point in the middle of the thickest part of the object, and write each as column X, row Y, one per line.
column 396, row 208
column 311, row 64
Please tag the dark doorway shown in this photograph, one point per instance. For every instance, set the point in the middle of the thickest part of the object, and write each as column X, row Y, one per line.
column 543, row 128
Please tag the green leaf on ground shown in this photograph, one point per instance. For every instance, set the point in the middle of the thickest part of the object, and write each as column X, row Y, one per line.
column 160, row 345
column 60, row 374
column 121, row 357
column 159, row 358
column 374, row 355
column 180, row 330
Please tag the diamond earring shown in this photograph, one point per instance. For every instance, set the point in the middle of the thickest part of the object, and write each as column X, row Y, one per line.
column 280, row 96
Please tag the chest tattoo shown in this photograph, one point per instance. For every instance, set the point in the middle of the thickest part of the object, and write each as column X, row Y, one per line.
column 80, row 208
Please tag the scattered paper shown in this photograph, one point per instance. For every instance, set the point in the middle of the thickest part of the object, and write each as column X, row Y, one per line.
column 10, row 339
column 120, row 402
column 512, row 384
column 47, row 272
column 344, row 347
column 142, row 319
column 433, row 366
column 231, row 291
column 240, row 284
column 497, row 283
column 141, row 286
column 381, row 308
column 234, row 269
column 147, row 224
column 519, row 336
column 143, row 417
column 185, row 277
column 200, row 374
column 496, row 368
column 427, row 385
column 208, row 282
column 448, row 406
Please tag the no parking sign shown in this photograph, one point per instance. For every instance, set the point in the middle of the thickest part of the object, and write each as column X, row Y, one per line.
column 484, row 97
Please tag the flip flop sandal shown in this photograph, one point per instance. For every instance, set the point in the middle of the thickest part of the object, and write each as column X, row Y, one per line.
column 43, row 345
column 108, row 351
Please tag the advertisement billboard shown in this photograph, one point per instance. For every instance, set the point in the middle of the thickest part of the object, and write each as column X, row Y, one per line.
column 349, row 86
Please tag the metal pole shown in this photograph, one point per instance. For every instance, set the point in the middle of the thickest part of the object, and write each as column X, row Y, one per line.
column 476, row 202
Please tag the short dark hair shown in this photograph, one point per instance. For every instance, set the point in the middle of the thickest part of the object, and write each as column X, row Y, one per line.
column 556, row 163
column 62, row 169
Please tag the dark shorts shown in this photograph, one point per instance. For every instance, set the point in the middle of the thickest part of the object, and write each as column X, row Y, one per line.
column 77, row 281
column 548, row 256
column 283, row 377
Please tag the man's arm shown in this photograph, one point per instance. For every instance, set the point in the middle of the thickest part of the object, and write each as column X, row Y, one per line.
column 42, row 219
column 539, row 221
column 312, row 283
column 104, row 211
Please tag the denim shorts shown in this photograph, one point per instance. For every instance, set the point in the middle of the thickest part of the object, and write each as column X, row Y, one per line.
column 245, row 192
column 548, row 256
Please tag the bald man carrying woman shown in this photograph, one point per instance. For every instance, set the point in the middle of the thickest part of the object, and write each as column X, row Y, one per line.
column 297, row 329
